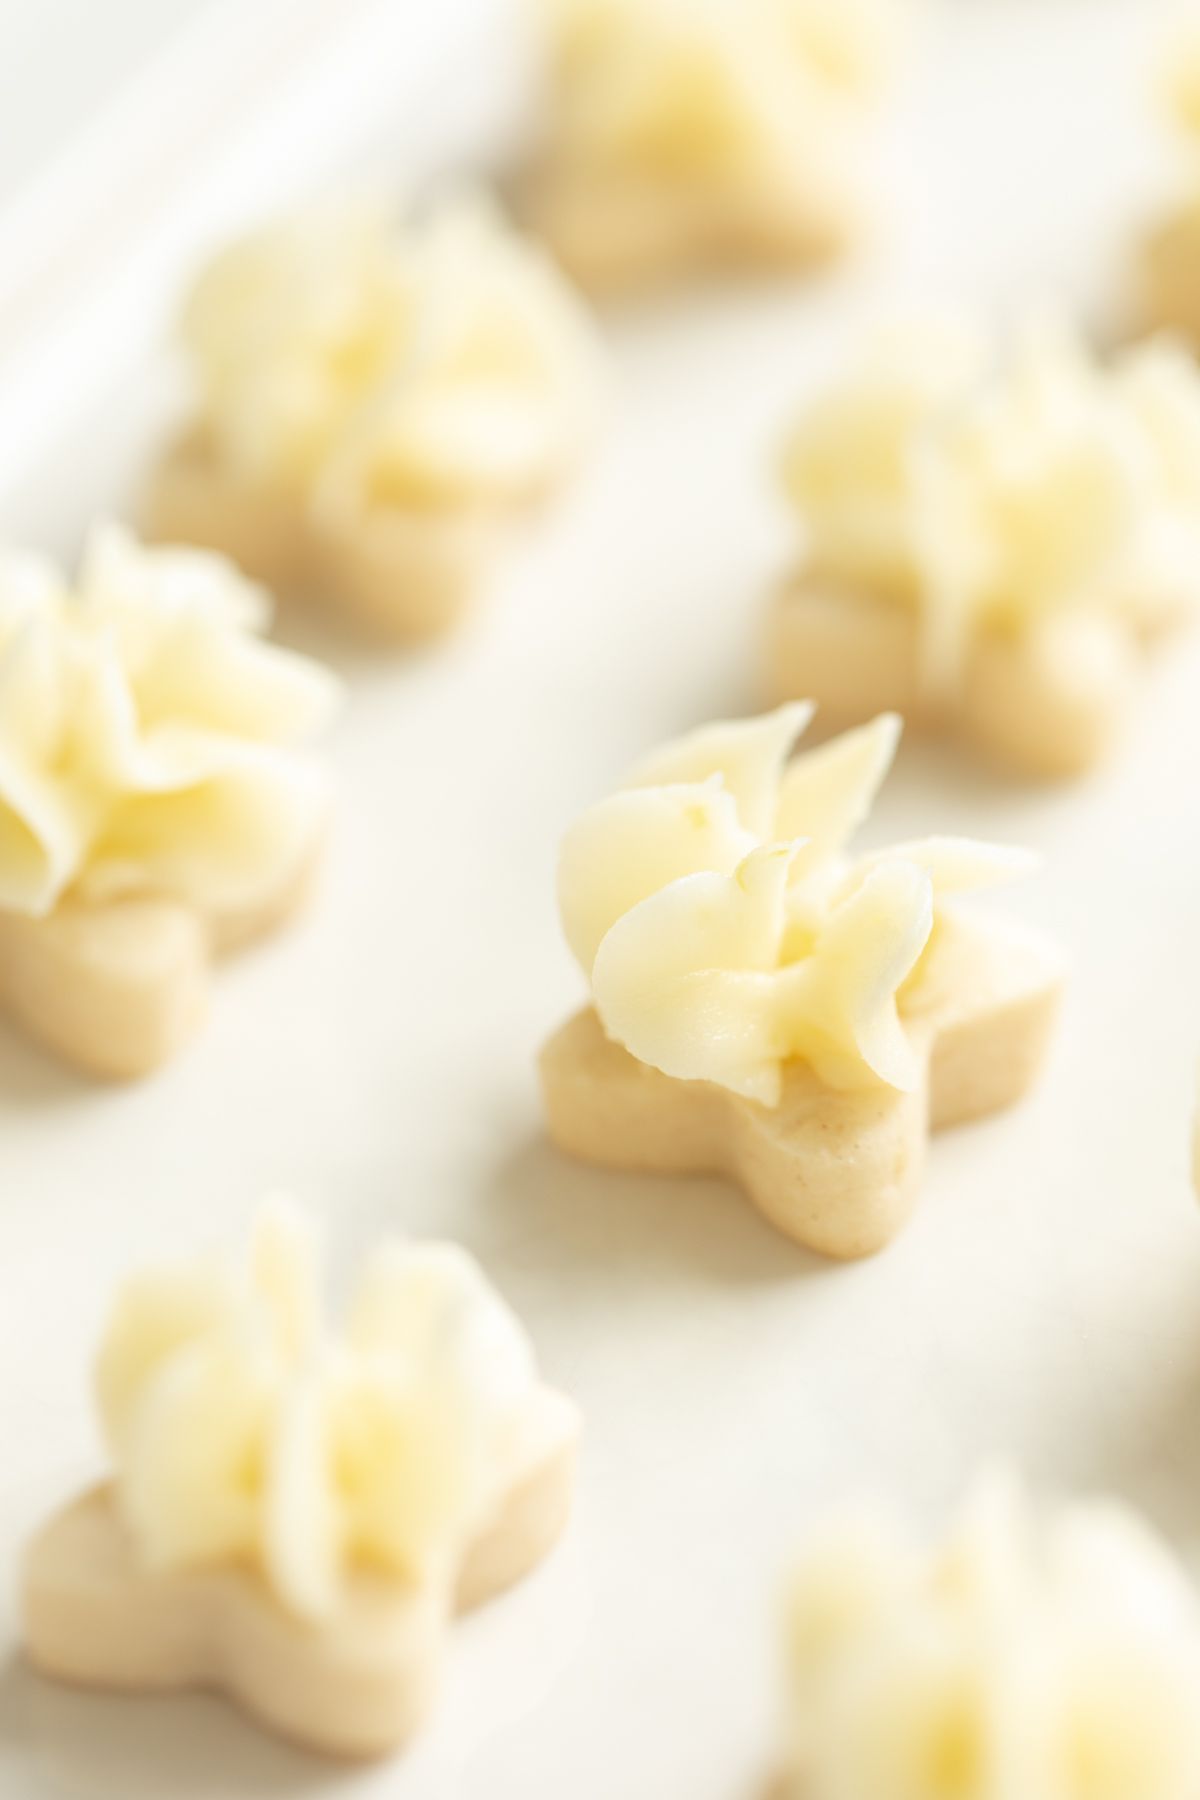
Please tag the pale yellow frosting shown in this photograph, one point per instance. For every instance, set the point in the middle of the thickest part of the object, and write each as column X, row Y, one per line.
column 725, row 929
column 148, row 736
column 853, row 463
column 995, row 493
column 704, row 91
column 1182, row 78
column 244, row 1430
column 356, row 364
column 1025, row 1658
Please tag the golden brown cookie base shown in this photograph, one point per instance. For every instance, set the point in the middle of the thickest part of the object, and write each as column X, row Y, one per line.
column 401, row 575
column 1169, row 277
column 1046, row 703
column 116, row 989
column 838, row 1171
column 357, row 1686
column 616, row 235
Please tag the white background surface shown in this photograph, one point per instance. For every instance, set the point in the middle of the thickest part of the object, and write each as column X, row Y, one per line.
column 378, row 1059
column 60, row 59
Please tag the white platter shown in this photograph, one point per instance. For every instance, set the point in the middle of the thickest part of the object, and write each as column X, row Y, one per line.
column 378, row 1059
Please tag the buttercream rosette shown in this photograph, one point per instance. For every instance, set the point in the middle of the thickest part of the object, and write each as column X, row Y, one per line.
column 992, row 493
column 245, row 1429
column 1049, row 1652
column 150, row 739
column 679, row 133
column 361, row 366
column 724, row 926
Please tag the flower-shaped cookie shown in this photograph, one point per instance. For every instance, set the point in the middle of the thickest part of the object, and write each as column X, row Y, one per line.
column 1056, row 1657
column 1169, row 273
column 295, row 1515
column 687, row 135
column 154, row 806
column 770, row 1008
column 375, row 408
column 991, row 548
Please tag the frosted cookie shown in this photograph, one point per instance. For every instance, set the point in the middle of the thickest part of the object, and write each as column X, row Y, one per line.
column 375, row 408
column 990, row 545
column 1169, row 273
column 766, row 1006
column 156, row 805
column 295, row 1515
column 682, row 136
column 1055, row 1655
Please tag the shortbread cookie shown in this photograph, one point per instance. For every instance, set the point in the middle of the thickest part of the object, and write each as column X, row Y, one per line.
column 681, row 138
column 155, row 809
column 295, row 1517
column 375, row 409
column 764, row 1006
column 1055, row 1656
column 1168, row 277
column 991, row 551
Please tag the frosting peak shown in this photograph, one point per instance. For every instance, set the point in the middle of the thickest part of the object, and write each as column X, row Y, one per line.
column 147, row 734
column 725, row 929
column 243, row 1429
column 1058, row 1657
column 360, row 366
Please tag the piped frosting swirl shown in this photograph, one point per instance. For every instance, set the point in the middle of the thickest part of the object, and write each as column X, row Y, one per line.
column 711, row 93
column 245, row 1430
column 149, row 737
column 992, row 494
column 1054, row 1655
column 352, row 364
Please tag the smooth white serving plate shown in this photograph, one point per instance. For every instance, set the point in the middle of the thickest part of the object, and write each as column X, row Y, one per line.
column 378, row 1059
